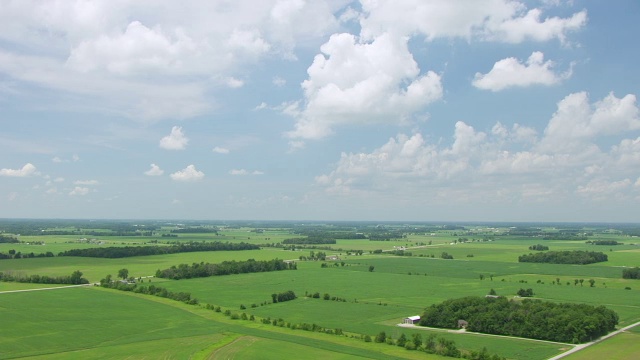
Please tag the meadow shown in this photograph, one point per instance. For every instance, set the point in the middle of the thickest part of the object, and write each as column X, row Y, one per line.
column 377, row 291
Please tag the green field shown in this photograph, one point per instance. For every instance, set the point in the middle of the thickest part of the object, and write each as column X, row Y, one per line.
column 378, row 289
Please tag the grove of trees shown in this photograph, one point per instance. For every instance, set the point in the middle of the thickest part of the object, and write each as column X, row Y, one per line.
column 129, row 251
column 579, row 257
column 632, row 273
column 184, row 271
column 535, row 319
column 74, row 279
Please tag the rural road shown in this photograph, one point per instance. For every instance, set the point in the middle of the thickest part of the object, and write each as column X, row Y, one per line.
column 574, row 349
column 47, row 288
column 582, row 346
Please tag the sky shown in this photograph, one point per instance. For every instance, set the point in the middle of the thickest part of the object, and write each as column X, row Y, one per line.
column 410, row 110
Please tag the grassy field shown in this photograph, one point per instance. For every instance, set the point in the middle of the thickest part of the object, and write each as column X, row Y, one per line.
column 91, row 322
column 621, row 347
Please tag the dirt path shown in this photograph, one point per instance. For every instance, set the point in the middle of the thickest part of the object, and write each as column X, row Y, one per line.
column 47, row 288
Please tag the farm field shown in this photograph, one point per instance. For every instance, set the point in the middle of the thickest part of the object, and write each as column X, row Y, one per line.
column 374, row 285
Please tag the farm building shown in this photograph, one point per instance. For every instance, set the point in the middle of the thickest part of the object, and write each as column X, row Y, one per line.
column 411, row 319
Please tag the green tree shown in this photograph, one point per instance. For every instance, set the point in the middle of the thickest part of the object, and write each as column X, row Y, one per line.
column 592, row 282
column 123, row 274
column 402, row 340
column 381, row 337
column 371, row 267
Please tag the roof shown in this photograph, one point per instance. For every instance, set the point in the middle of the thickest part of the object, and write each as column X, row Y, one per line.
column 414, row 318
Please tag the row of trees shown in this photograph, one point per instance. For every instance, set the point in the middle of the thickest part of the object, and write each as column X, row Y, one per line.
column 184, row 297
column 569, row 323
column 8, row 239
column 432, row 345
column 129, row 251
column 579, row 257
column 283, row 296
column 633, row 273
column 604, row 242
column 74, row 279
column 309, row 240
column 18, row 255
column 184, row 271
column 538, row 247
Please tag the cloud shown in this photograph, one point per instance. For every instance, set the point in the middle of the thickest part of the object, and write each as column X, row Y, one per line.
column 148, row 62
column 576, row 121
column 154, row 171
column 244, row 172
column 354, row 82
column 510, row 72
column 234, row 83
column 79, row 191
column 507, row 164
column 27, row 170
column 220, row 150
column 238, row 172
column 174, row 141
column 86, row 182
column 188, row 174
column 278, row 81
column 498, row 20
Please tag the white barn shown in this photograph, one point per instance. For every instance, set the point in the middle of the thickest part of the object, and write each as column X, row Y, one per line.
column 411, row 319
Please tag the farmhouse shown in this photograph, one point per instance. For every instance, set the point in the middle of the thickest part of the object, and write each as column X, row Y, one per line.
column 462, row 324
column 411, row 319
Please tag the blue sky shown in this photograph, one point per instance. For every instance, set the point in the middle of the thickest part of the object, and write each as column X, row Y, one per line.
column 322, row 110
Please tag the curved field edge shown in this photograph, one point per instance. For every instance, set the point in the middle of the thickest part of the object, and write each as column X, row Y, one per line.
column 108, row 324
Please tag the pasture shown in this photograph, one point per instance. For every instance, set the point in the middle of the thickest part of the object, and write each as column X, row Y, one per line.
column 377, row 290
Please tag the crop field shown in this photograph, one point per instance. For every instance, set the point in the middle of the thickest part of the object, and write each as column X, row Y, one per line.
column 367, row 288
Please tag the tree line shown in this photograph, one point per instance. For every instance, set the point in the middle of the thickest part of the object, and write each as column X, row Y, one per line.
column 8, row 239
column 538, row 247
column 184, row 297
column 114, row 252
column 74, row 279
column 633, row 273
column 12, row 254
column 579, row 257
column 184, row 271
column 283, row 296
column 604, row 242
column 308, row 241
column 535, row 319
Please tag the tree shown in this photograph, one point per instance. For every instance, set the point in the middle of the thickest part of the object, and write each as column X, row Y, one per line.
column 481, row 277
column 402, row 340
column 123, row 274
column 492, row 292
column 592, row 282
column 581, row 281
column 381, row 337
column 371, row 267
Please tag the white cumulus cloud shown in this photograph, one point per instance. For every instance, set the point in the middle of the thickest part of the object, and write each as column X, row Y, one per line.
column 220, row 150
column 85, row 182
column 79, row 191
column 188, row 174
column 27, row 170
column 154, row 171
column 353, row 82
column 174, row 141
column 510, row 72
column 507, row 163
